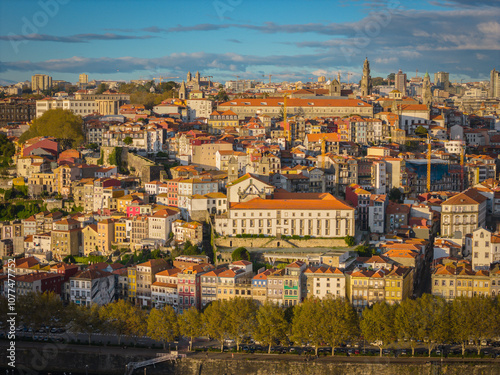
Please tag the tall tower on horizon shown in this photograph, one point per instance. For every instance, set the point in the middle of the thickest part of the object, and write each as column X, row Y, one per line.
column 494, row 84
column 366, row 80
column 426, row 90
column 400, row 82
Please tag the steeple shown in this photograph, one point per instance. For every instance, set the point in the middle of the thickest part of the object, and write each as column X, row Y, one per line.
column 182, row 91
column 366, row 80
column 426, row 90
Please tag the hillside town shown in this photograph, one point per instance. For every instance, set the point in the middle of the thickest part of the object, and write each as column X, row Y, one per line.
column 275, row 192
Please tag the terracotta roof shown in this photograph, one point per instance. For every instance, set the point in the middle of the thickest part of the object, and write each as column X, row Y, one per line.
column 330, row 203
column 470, row 196
column 293, row 102
column 91, row 274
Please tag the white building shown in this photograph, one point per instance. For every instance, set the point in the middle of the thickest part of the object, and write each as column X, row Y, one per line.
column 323, row 216
column 92, row 287
column 324, row 282
column 164, row 289
column 193, row 186
column 198, row 108
column 376, row 213
column 485, row 248
column 160, row 224
column 453, row 147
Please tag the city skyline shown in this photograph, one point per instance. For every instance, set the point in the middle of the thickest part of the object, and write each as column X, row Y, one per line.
column 226, row 39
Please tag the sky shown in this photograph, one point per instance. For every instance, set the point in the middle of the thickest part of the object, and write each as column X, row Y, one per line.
column 292, row 40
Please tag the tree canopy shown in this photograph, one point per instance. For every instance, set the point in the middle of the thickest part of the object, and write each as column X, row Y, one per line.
column 240, row 254
column 58, row 123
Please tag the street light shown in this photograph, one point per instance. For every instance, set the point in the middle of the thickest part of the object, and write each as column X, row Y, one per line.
column 86, row 369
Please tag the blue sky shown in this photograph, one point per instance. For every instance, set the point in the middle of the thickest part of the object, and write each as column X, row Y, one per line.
column 294, row 39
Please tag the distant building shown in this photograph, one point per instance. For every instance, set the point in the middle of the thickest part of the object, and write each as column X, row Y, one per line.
column 494, row 84
column 40, row 82
column 400, row 81
column 83, row 80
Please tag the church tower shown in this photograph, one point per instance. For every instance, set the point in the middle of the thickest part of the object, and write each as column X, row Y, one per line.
column 334, row 88
column 197, row 77
column 189, row 77
column 366, row 80
column 232, row 170
column 426, row 90
column 183, row 91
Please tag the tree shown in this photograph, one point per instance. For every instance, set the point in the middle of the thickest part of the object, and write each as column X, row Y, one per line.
column 101, row 88
column 271, row 324
column 191, row 325
column 434, row 320
column 395, row 195
column 163, row 325
column 306, row 323
column 406, row 322
column 391, row 78
column 40, row 309
column 241, row 316
column 87, row 320
column 216, row 322
column 93, row 146
column 58, row 123
column 128, row 141
column 482, row 310
column 221, row 96
column 123, row 319
column 462, row 315
column 240, row 254
column 350, row 241
column 339, row 321
column 7, row 148
column 377, row 325
column 421, row 131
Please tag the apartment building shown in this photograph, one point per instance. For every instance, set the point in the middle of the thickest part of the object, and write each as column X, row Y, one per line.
column 160, row 223
column 463, row 213
column 209, row 283
column 259, row 286
column 38, row 283
column 458, row 279
column 91, row 287
column 145, row 277
column 66, row 238
column 365, row 287
column 325, row 281
column 164, row 289
column 485, row 249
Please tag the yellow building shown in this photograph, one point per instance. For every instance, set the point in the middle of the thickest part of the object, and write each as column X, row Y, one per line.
column 222, row 119
column 458, row 279
column 365, row 287
column 89, row 239
column 132, row 283
column 120, row 231
column 106, row 232
column 398, row 284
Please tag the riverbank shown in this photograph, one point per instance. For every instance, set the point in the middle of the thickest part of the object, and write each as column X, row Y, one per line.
column 39, row 358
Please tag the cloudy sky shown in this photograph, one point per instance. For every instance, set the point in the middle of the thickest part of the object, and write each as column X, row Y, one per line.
column 293, row 39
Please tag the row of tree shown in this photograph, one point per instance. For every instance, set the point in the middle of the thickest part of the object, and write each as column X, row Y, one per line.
column 315, row 323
